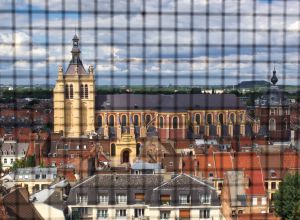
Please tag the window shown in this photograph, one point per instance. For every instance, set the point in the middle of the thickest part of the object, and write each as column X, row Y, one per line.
column 273, row 185
column 266, row 185
column 148, row 119
column 139, row 197
column 197, row 119
column 184, row 199
column 161, row 122
column 165, row 199
column 5, row 160
column 272, row 111
column 71, row 92
column 175, row 122
column 232, row 118
column 67, row 92
column 272, row 124
column 99, row 121
column 254, row 201
column 43, row 176
column 164, row 215
column 204, row 213
column 102, row 213
column 124, row 120
column 20, row 177
column 209, row 119
column 263, row 200
column 136, row 120
column 139, row 213
column 221, row 119
column 81, row 92
column 205, row 198
column 184, row 214
column 220, row 186
column 11, row 161
column 82, row 199
column 37, row 176
column 121, row 198
column 111, row 120
column 121, row 212
column 113, row 150
column 103, row 198
column 86, row 91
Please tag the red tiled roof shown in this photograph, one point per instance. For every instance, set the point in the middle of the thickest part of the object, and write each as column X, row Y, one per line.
column 206, row 164
column 250, row 163
column 223, row 163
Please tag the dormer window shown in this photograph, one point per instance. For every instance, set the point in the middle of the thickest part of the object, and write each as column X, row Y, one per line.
column 184, row 199
column 205, row 198
column 82, row 199
column 121, row 198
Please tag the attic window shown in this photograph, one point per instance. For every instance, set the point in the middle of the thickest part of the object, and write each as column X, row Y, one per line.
column 273, row 173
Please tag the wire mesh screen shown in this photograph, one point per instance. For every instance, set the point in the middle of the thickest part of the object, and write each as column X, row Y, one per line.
column 149, row 109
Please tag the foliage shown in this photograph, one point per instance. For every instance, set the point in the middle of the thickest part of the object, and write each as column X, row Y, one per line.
column 287, row 198
column 28, row 162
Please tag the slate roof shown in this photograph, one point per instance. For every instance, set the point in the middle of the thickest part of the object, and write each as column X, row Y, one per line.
column 23, row 208
column 80, row 70
column 173, row 102
column 150, row 184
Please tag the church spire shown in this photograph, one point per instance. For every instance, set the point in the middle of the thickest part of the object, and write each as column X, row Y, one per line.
column 274, row 78
column 75, row 51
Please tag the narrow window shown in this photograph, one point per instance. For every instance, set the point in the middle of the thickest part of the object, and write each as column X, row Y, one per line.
column 136, row 120
column 113, row 150
column 99, row 121
column 161, row 122
column 81, row 92
column 124, row 120
column 71, row 92
column 197, row 119
column 111, row 120
column 86, row 91
column 175, row 122
column 67, row 92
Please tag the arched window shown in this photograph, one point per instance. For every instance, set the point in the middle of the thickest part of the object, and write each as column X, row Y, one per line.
column 232, row 118
column 161, row 122
column 286, row 126
column 67, row 92
column 272, row 124
column 175, row 122
column 221, row 119
column 197, row 119
column 99, row 121
column 124, row 120
column 148, row 119
column 71, row 92
column 81, row 92
column 136, row 120
column 138, row 147
column 86, row 91
column 111, row 120
column 112, row 150
column 209, row 119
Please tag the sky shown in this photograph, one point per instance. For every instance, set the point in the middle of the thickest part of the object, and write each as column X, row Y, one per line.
column 151, row 42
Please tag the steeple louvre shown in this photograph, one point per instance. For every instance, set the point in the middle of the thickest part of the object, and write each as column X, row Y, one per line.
column 75, row 51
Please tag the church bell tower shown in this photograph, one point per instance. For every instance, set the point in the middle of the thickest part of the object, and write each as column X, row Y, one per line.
column 74, row 97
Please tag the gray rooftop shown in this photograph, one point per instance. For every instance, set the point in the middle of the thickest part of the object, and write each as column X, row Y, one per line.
column 173, row 102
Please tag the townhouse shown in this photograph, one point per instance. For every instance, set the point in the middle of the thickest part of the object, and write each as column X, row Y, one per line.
column 146, row 196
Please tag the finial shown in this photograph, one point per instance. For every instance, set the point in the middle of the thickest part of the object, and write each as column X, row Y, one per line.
column 274, row 78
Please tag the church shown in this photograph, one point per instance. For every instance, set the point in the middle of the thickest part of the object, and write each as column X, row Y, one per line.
column 79, row 111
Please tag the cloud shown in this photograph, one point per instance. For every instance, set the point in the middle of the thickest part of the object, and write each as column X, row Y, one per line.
column 204, row 44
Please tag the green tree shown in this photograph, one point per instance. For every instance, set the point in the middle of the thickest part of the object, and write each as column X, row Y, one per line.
column 287, row 198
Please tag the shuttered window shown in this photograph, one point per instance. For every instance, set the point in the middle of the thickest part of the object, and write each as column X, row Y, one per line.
column 184, row 213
